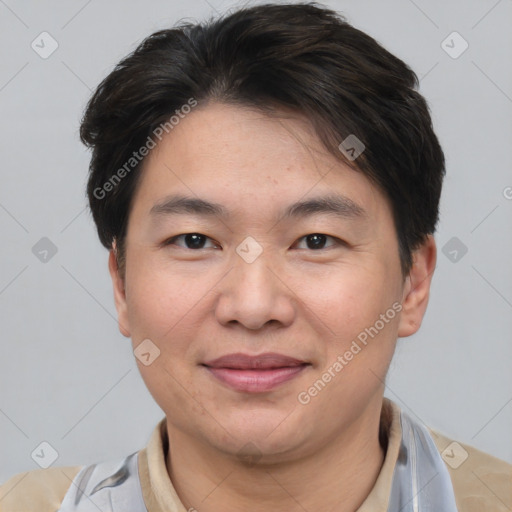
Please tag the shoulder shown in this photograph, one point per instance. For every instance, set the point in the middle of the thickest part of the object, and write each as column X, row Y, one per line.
column 39, row 490
column 481, row 482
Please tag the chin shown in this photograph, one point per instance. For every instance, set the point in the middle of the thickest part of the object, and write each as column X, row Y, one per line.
column 260, row 436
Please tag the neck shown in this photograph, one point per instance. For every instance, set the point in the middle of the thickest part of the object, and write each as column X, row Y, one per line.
column 337, row 477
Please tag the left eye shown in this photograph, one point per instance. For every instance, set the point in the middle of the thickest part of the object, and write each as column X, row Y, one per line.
column 196, row 241
column 316, row 241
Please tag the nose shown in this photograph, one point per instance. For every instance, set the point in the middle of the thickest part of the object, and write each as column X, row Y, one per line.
column 256, row 294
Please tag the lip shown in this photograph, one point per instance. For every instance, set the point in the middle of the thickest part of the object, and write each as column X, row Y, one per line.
column 264, row 361
column 255, row 374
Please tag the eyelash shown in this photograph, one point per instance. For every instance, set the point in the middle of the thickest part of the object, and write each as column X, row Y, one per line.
column 337, row 241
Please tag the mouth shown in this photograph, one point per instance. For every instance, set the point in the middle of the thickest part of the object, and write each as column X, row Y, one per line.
column 255, row 374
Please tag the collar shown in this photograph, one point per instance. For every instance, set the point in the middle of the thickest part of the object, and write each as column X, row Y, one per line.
column 160, row 495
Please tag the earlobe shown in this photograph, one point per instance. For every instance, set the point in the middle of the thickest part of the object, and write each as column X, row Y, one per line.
column 417, row 288
column 119, row 294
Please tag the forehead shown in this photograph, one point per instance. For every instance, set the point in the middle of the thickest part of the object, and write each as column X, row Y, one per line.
column 239, row 160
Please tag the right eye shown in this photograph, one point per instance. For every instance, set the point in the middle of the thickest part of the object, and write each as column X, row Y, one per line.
column 193, row 241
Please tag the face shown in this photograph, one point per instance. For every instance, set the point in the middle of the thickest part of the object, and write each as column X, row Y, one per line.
column 273, row 269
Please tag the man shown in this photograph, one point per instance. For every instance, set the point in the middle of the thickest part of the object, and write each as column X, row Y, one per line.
column 268, row 187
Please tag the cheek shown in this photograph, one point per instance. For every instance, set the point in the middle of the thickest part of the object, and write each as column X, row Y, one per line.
column 161, row 308
column 352, row 300
column 159, row 299
column 352, row 306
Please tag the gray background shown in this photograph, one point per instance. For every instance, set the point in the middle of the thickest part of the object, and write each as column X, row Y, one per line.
column 68, row 377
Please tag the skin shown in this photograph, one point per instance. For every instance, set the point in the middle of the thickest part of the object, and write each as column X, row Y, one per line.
column 199, row 304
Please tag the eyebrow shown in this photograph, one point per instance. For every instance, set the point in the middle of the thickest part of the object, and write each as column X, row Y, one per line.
column 332, row 204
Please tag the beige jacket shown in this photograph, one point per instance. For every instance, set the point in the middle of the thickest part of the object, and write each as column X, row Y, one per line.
column 482, row 483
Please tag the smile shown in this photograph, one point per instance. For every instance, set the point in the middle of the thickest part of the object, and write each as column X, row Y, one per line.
column 255, row 374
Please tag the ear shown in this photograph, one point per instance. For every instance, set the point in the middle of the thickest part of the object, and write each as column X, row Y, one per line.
column 417, row 288
column 119, row 294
